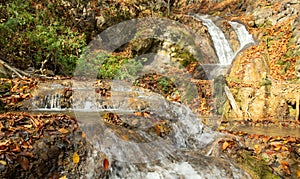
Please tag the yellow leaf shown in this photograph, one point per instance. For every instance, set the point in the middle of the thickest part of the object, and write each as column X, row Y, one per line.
column 2, row 162
column 277, row 148
column 28, row 126
column 257, row 149
column 76, row 158
column 83, row 135
column 64, row 177
column 63, row 130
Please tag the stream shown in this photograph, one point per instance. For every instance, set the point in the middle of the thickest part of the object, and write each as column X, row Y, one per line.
column 161, row 139
column 184, row 151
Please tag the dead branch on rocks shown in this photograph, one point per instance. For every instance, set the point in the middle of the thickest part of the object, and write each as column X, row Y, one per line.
column 233, row 103
column 18, row 72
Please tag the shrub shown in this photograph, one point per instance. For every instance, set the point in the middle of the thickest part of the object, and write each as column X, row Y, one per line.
column 107, row 66
column 35, row 33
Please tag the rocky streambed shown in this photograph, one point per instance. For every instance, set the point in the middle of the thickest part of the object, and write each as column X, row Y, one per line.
column 68, row 144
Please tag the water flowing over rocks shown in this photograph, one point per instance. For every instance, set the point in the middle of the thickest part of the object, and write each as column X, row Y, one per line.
column 160, row 138
column 264, row 80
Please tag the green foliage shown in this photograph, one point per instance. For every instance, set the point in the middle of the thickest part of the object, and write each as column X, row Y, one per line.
column 164, row 83
column 116, row 67
column 32, row 32
column 106, row 66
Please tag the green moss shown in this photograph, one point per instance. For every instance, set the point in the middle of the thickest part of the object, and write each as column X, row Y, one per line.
column 186, row 58
column 5, row 87
column 257, row 168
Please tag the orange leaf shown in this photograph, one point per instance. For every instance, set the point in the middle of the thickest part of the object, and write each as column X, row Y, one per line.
column 225, row 145
column 63, row 130
column 138, row 113
column 124, row 137
column 298, row 173
column 145, row 114
column 285, row 167
column 83, row 135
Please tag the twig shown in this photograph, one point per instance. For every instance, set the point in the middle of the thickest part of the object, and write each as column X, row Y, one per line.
column 22, row 72
column 11, row 68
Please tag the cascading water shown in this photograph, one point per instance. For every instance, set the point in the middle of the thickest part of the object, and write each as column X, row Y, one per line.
column 244, row 36
column 169, row 141
column 138, row 151
column 50, row 97
column 222, row 46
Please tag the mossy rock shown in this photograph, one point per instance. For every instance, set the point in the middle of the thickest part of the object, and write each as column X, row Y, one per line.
column 255, row 167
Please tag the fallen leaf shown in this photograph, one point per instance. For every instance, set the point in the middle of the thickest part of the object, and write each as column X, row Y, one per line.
column 277, row 148
column 105, row 164
column 76, row 158
column 63, row 130
column 138, row 113
column 23, row 161
column 266, row 139
column 285, row 166
column 83, row 135
column 225, row 145
column 28, row 126
column 257, row 149
column 63, row 177
column 284, row 148
column 125, row 137
column 3, row 162
column 298, row 173
column 146, row 114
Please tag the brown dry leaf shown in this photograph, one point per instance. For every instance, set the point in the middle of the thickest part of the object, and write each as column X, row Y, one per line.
column 63, row 130
column 225, row 145
column 290, row 139
column 284, row 148
column 27, row 154
column 125, row 137
column 138, row 114
column 23, row 161
column 266, row 139
column 16, row 149
column 76, row 158
column 285, row 167
column 145, row 114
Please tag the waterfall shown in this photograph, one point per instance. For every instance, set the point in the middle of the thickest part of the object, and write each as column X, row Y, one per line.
column 221, row 44
column 47, row 102
column 243, row 35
